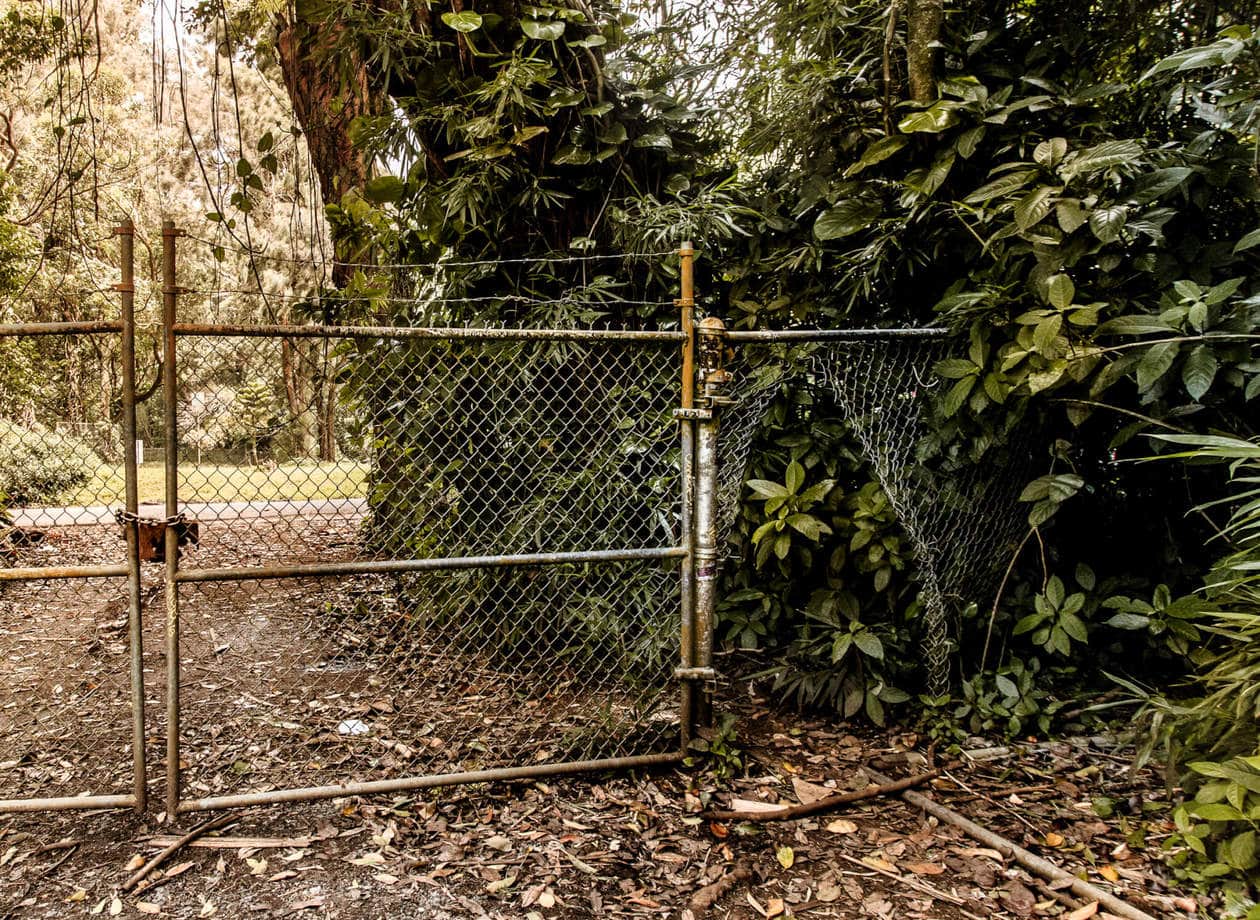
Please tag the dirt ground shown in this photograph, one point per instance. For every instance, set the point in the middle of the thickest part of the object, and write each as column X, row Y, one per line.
column 635, row 845
column 265, row 695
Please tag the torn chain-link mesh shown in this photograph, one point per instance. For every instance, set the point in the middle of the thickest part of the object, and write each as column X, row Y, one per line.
column 960, row 511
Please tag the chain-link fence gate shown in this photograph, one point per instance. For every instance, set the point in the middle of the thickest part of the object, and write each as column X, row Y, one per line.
column 72, row 728
column 394, row 557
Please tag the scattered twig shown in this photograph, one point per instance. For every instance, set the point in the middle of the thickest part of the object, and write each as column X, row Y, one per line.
column 235, row 843
column 1030, row 861
column 200, row 830
column 909, row 881
column 887, row 787
column 69, row 846
column 709, row 895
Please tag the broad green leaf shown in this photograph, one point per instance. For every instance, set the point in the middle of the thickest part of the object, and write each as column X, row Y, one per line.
column 1107, row 223
column 956, row 368
column 1128, row 621
column 1199, row 371
column 957, row 395
column 463, row 21
column 1004, row 185
column 1060, row 291
column 1070, row 215
column 1160, row 182
column 1155, row 363
column 767, row 489
column 877, row 152
column 655, row 139
column 546, row 30
column 1101, row 157
column 1033, row 207
column 808, row 525
column 383, row 189
column 845, row 219
column 1249, row 241
column 869, row 644
column 1135, row 325
column 795, row 477
column 932, row 120
column 1049, row 153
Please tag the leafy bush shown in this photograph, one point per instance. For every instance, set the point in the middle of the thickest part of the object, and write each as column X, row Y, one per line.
column 38, row 464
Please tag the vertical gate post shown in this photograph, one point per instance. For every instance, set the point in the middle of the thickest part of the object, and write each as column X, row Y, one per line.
column 713, row 378
column 687, row 455
column 170, row 295
column 126, row 233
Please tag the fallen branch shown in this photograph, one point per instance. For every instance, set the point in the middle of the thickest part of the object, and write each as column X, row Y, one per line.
column 1028, row 860
column 200, row 830
column 886, row 787
column 707, row 896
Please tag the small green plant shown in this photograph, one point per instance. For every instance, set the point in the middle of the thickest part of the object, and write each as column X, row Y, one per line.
column 716, row 749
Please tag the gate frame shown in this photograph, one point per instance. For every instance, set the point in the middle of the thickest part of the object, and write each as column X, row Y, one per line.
column 127, row 517
column 698, row 476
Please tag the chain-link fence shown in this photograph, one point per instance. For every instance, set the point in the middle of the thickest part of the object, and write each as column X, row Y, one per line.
column 68, row 715
column 398, row 557
column 436, row 555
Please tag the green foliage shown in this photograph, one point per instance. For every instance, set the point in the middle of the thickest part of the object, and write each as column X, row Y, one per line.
column 717, row 749
column 41, row 466
column 1086, row 218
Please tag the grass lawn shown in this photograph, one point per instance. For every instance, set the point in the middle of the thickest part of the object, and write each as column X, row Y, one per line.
column 215, row 482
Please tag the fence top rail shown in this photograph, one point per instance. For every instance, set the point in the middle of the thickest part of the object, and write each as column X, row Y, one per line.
column 76, row 328
column 424, row 332
column 835, row 335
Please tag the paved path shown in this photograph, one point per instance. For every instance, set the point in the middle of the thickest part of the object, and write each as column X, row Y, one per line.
column 96, row 515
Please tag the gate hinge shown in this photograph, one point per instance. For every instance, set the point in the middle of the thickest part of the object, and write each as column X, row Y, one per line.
column 695, row 674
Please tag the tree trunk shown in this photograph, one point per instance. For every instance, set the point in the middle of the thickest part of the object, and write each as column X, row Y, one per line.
column 297, row 391
column 924, row 19
column 328, row 91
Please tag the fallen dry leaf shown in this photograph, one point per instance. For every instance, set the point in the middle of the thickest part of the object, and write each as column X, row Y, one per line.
column 1109, row 873
column 1081, row 913
column 842, row 826
column 753, row 805
column 1054, row 840
column 924, row 868
column 148, row 907
column 808, row 793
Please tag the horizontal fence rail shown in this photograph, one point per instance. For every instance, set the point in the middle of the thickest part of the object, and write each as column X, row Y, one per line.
column 389, row 557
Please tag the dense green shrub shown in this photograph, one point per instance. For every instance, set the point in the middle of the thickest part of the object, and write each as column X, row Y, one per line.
column 39, row 465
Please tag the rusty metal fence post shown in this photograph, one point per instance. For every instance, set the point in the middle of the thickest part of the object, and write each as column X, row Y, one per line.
column 687, row 452
column 711, row 348
column 170, row 301
column 126, row 233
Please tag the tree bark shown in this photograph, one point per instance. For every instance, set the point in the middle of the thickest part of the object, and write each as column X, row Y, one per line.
column 924, row 20
column 329, row 89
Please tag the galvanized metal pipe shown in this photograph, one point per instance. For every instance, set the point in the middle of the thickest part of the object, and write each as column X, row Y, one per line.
column 88, row 327
column 418, row 332
column 452, row 563
column 714, row 378
column 687, row 452
column 67, row 803
column 135, row 623
column 426, row 782
column 770, row 336
column 64, row 571
column 170, row 383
